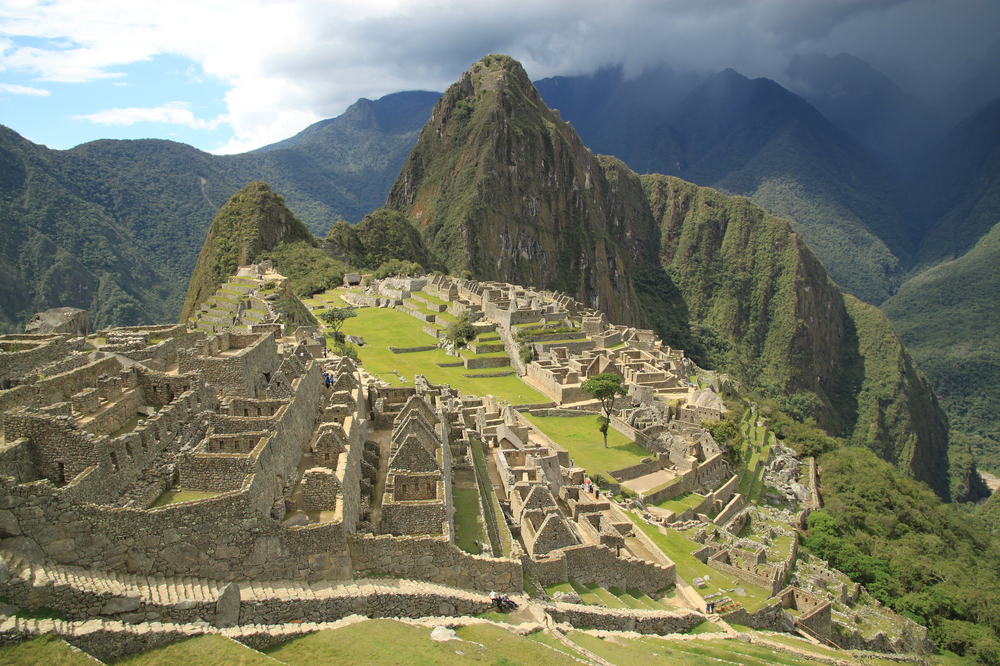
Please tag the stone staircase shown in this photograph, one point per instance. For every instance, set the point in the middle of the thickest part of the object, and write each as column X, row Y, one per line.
column 83, row 593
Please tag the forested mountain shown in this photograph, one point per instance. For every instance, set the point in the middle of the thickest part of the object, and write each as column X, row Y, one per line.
column 339, row 168
column 499, row 185
column 756, row 139
column 112, row 227
column 115, row 227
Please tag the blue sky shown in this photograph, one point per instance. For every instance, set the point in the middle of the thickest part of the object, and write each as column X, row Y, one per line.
column 230, row 76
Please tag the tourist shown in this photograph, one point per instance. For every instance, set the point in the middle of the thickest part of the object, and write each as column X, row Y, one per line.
column 494, row 598
column 708, row 608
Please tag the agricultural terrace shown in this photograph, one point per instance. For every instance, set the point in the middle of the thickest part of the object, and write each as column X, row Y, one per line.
column 385, row 327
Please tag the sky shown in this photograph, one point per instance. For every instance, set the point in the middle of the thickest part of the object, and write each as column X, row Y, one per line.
column 230, row 76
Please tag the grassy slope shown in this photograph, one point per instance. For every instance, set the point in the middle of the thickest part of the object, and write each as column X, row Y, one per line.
column 388, row 642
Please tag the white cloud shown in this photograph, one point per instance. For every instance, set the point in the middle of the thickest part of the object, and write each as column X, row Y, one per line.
column 171, row 114
column 15, row 89
column 287, row 63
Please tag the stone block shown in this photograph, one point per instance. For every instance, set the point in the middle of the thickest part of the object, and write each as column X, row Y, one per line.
column 227, row 608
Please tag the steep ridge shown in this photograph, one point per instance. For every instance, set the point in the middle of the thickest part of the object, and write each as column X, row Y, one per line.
column 756, row 139
column 795, row 337
column 498, row 185
column 253, row 221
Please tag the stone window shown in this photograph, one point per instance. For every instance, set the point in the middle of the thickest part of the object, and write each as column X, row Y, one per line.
column 114, row 460
column 406, row 488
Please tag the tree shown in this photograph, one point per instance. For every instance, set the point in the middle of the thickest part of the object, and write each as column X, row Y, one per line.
column 605, row 387
column 462, row 331
column 334, row 318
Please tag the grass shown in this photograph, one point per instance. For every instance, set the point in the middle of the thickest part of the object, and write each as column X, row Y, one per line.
column 175, row 496
column 655, row 651
column 678, row 549
column 681, row 503
column 585, row 444
column 382, row 327
column 207, row 650
column 43, row 651
column 468, row 521
column 389, row 642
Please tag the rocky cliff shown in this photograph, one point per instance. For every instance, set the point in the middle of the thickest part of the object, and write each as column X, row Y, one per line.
column 499, row 185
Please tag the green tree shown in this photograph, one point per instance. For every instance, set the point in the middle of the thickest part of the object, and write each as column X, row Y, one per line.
column 605, row 387
column 461, row 331
column 334, row 318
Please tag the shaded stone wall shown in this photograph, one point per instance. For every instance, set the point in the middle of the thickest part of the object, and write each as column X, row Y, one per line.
column 434, row 559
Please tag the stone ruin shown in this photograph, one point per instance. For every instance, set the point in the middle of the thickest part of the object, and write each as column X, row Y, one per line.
column 213, row 473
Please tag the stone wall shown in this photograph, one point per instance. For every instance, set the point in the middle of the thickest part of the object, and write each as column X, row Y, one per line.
column 244, row 373
column 433, row 559
column 730, row 510
column 57, row 388
column 116, row 415
column 622, row 619
column 635, row 471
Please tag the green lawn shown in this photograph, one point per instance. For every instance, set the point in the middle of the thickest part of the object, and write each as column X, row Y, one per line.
column 468, row 522
column 579, row 436
column 386, row 642
column 43, row 651
column 678, row 548
column 207, row 650
column 382, row 327
column 656, row 651
column 682, row 503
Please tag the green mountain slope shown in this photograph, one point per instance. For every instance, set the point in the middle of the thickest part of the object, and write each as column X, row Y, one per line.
column 959, row 188
column 947, row 316
column 255, row 220
column 115, row 227
column 867, row 105
column 340, row 168
column 499, row 185
column 72, row 234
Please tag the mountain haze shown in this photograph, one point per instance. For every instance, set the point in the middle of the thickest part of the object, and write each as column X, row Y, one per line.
column 754, row 138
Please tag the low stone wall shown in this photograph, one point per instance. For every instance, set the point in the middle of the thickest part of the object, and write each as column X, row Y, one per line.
column 410, row 350
column 489, row 362
column 620, row 619
column 433, row 559
column 635, row 471
column 433, row 331
column 116, row 415
column 770, row 617
column 731, row 509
